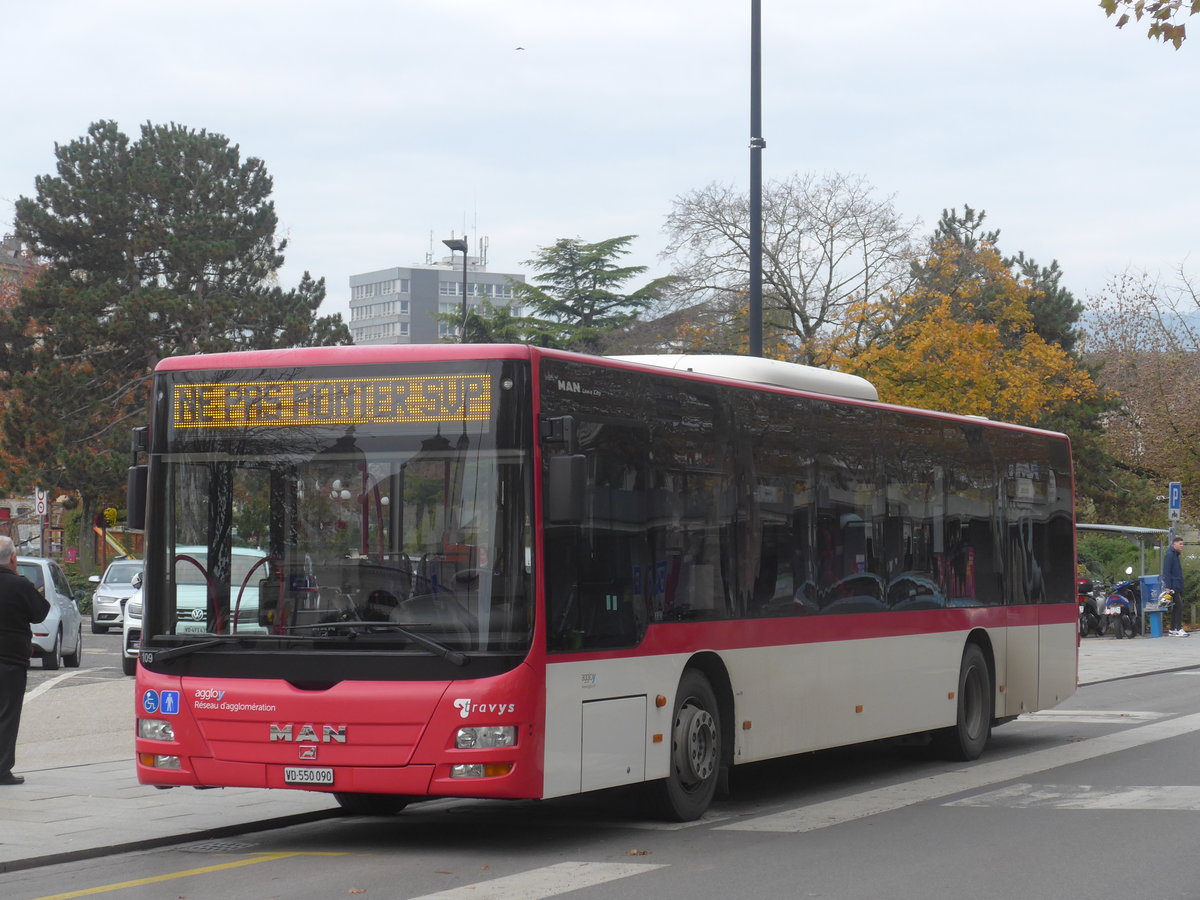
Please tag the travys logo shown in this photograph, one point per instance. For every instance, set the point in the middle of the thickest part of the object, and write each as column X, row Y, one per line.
column 465, row 707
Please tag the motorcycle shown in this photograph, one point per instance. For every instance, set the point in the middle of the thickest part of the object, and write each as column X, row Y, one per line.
column 1123, row 609
column 1090, row 617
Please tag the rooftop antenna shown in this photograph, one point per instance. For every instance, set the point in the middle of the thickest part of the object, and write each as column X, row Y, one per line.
column 429, row 252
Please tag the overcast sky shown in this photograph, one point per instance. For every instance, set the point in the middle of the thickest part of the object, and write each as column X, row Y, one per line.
column 389, row 125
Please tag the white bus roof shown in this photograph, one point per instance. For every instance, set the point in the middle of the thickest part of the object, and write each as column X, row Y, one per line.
column 764, row 371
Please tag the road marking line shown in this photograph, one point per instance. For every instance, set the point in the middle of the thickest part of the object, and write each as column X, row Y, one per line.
column 186, row 873
column 1086, row 796
column 971, row 778
column 707, row 819
column 1089, row 716
column 548, row 881
column 46, row 685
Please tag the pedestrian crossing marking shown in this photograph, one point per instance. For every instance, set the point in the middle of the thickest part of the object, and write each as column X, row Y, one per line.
column 548, row 881
column 1086, row 796
column 963, row 780
column 1088, row 716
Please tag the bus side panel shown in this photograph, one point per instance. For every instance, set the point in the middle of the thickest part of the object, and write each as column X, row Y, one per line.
column 1021, row 690
column 813, row 696
column 602, row 719
column 1058, row 667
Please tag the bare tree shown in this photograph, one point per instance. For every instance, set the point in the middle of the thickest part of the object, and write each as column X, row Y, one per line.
column 828, row 242
column 1146, row 335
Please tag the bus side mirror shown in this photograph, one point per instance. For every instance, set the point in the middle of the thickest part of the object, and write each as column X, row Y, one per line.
column 135, row 497
column 565, row 489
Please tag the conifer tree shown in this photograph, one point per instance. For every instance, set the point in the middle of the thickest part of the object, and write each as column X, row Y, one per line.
column 155, row 247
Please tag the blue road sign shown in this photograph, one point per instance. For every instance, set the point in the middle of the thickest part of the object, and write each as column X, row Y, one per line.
column 1174, row 499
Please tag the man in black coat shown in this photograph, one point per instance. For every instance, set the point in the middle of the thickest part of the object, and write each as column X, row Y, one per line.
column 1172, row 579
column 21, row 604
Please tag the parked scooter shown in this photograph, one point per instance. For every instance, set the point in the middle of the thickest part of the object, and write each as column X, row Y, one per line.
column 1123, row 608
column 1091, row 617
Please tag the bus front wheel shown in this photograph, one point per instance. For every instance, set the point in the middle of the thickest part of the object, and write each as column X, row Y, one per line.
column 966, row 739
column 695, row 761
column 371, row 804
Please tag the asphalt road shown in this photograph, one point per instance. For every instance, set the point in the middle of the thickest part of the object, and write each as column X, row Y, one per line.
column 93, row 702
column 1098, row 799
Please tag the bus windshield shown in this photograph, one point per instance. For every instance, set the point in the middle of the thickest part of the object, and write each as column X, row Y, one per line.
column 342, row 510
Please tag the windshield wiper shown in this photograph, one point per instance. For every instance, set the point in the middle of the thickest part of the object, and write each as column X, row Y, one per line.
column 152, row 656
column 435, row 647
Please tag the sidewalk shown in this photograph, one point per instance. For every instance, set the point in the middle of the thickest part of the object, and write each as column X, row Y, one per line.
column 85, row 800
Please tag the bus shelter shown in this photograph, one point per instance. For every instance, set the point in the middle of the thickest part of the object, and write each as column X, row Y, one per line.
column 1148, row 584
column 1140, row 536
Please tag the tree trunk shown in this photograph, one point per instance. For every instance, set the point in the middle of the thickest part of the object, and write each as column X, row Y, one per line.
column 88, row 539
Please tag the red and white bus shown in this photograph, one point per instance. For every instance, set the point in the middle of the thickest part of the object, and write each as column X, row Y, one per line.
column 501, row 571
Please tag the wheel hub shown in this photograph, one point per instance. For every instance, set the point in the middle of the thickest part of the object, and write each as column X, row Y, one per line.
column 696, row 744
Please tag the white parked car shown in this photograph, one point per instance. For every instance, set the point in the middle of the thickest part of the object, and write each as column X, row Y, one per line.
column 192, row 599
column 115, row 588
column 131, row 629
column 58, row 639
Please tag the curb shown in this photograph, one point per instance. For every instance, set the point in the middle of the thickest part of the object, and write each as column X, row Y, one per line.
column 50, row 859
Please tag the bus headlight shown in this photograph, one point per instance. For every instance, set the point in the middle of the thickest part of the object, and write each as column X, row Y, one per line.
column 481, row 770
column 155, row 730
column 479, row 737
column 153, row 761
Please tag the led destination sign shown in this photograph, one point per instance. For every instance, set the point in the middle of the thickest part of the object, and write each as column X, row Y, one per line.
column 334, row 401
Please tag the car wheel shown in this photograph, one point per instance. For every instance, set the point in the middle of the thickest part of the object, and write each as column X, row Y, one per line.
column 72, row 660
column 52, row 659
column 129, row 665
column 99, row 629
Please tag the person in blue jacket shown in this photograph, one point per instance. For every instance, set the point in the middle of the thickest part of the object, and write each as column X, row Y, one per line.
column 1172, row 580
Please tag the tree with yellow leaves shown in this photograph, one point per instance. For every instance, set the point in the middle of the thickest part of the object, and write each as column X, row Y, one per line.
column 973, row 351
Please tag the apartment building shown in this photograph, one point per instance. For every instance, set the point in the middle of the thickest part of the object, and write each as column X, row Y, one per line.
column 400, row 305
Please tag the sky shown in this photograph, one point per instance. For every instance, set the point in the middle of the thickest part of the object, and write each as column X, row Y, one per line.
column 389, row 126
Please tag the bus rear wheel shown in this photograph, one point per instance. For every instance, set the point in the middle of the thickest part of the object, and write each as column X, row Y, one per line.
column 695, row 761
column 966, row 739
column 371, row 804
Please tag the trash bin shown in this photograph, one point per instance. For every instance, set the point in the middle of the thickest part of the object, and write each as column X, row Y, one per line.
column 1152, row 612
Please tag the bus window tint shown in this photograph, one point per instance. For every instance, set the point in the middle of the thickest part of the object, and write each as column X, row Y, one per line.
column 710, row 502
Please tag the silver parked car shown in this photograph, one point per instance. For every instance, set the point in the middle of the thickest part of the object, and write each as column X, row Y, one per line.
column 115, row 587
column 58, row 639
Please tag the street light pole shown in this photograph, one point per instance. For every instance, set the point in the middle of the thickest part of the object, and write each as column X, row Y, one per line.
column 757, row 143
column 461, row 244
